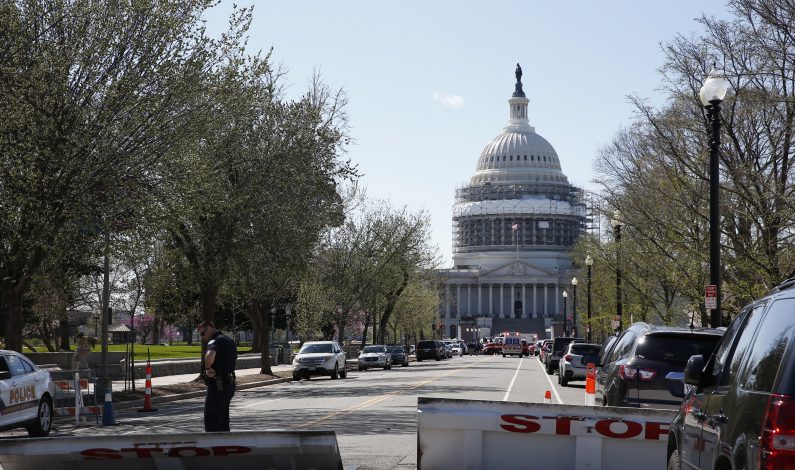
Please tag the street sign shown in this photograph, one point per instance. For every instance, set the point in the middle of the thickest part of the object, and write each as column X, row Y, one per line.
column 711, row 296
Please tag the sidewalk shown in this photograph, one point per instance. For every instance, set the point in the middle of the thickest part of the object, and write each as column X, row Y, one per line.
column 183, row 378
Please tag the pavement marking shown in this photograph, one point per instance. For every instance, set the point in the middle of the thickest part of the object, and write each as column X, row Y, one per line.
column 380, row 398
column 551, row 385
column 510, row 386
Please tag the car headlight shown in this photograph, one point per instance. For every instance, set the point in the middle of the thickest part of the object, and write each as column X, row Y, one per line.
column 297, row 360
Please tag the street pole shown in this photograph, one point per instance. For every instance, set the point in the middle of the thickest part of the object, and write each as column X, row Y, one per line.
column 616, row 223
column 589, row 264
column 105, row 309
column 565, row 314
column 574, row 308
column 711, row 94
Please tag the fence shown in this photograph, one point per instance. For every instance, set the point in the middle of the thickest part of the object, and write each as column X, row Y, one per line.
column 75, row 394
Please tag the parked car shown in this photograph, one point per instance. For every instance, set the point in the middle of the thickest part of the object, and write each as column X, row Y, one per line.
column 448, row 350
column 552, row 360
column 27, row 395
column 645, row 364
column 375, row 355
column 455, row 348
column 575, row 360
column 528, row 347
column 319, row 358
column 430, row 349
column 464, row 348
column 546, row 347
column 739, row 409
column 492, row 348
column 399, row 355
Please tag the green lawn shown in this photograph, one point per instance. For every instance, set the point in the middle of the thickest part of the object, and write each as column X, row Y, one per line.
column 159, row 352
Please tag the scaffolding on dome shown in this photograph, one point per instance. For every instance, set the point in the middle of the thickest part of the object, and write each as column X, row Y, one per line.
column 522, row 217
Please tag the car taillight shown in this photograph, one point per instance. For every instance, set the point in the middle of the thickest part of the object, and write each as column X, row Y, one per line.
column 567, row 357
column 633, row 373
column 777, row 443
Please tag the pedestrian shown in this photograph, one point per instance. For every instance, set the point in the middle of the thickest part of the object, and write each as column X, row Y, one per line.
column 219, row 375
column 82, row 351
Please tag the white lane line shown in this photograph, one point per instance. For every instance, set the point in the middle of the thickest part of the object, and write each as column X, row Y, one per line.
column 551, row 385
column 518, row 368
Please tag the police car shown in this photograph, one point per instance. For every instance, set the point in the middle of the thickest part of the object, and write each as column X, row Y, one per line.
column 25, row 395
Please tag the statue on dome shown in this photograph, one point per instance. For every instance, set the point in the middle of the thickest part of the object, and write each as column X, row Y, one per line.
column 518, row 73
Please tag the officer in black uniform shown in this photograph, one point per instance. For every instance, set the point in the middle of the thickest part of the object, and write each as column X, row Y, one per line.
column 219, row 375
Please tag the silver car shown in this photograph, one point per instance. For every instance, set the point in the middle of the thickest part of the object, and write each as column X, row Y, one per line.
column 575, row 359
column 376, row 355
column 319, row 358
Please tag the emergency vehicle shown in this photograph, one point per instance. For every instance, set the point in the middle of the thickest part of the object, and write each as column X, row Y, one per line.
column 512, row 344
column 26, row 395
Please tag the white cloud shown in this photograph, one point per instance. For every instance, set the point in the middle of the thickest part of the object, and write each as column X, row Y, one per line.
column 451, row 101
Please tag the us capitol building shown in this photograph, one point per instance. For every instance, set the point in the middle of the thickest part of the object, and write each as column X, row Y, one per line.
column 513, row 227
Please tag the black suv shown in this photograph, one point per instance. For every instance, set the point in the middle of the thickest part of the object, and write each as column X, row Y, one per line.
column 552, row 360
column 644, row 366
column 740, row 409
column 430, row 349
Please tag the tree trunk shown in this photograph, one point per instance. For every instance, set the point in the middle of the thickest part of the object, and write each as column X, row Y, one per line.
column 266, row 316
column 209, row 294
column 63, row 330
column 11, row 303
column 392, row 299
column 364, row 333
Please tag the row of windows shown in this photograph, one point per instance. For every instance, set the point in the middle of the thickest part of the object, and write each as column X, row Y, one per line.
column 533, row 158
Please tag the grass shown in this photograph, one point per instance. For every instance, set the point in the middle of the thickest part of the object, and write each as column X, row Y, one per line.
column 157, row 351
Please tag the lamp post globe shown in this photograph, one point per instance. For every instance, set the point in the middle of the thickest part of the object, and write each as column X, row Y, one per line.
column 589, row 264
column 574, row 283
column 711, row 94
column 617, row 222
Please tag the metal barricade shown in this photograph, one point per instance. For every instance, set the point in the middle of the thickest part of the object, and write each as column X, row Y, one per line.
column 75, row 395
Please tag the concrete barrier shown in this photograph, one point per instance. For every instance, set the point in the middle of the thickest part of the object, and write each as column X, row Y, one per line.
column 186, row 451
column 472, row 434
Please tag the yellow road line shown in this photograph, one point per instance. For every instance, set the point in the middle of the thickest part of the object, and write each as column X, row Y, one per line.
column 380, row 398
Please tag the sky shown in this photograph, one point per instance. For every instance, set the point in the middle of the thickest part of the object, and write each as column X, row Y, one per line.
column 428, row 83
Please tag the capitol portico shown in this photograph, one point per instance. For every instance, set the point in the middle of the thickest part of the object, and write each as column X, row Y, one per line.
column 514, row 224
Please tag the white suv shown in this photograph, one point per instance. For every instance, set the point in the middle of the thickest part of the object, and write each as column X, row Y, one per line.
column 319, row 358
column 26, row 395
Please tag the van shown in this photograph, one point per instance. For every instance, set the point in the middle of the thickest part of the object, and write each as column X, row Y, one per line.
column 512, row 345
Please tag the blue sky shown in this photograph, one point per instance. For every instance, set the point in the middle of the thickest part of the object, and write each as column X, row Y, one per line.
column 428, row 82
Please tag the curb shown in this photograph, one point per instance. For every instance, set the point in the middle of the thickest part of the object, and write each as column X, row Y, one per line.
column 123, row 405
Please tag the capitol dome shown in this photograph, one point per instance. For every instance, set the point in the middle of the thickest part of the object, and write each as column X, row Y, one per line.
column 518, row 155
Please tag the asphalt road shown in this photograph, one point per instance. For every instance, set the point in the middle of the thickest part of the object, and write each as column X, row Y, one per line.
column 374, row 413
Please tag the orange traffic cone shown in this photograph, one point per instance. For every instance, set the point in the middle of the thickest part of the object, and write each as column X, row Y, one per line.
column 548, row 397
column 148, row 389
column 590, row 385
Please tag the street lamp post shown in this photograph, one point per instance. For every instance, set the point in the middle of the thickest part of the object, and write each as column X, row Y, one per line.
column 574, row 283
column 565, row 313
column 617, row 223
column 712, row 93
column 589, row 264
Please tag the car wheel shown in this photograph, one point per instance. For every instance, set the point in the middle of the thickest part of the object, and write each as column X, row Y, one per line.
column 419, row 360
column 564, row 381
column 673, row 461
column 308, row 377
column 549, row 370
column 361, row 368
column 438, row 358
column 344, row 372
column 406, row 364
column 335, row 373
column 41, row 427
column 296, row 377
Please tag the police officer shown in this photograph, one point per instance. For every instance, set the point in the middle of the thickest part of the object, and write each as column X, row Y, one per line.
column 219, row 375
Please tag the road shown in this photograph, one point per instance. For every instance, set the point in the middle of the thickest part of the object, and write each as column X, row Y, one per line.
column 374, row 413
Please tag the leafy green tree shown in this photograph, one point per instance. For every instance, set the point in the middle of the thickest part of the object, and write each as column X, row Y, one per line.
column 93, row 96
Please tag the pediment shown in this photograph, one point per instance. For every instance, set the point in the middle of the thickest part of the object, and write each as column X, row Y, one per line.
column 517, row 268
